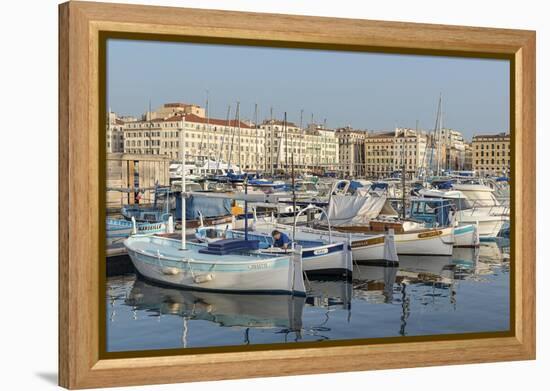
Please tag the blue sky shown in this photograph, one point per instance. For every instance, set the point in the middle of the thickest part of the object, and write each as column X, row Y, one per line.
column 365, row 90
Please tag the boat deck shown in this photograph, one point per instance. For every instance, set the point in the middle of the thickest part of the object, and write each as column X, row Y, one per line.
column 171, row 248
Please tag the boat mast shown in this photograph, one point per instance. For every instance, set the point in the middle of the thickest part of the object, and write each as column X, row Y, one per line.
column 301, row 139
column 223, row 139
column 207, row 129
column 293, row 201
column 439, row 130
column 256, row 129
column 150, row 129
column 183, row 187
column 434, row 134
column 239, row 136
column 272, row 130
column 285, row 129
column 232, row 129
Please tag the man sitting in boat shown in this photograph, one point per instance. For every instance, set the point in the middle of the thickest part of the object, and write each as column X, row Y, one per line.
column 280, row 239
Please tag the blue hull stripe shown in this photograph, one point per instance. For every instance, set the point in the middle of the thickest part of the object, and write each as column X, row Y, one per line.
column 311, row 253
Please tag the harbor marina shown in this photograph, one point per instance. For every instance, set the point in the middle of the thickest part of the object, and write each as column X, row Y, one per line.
column 462, row 293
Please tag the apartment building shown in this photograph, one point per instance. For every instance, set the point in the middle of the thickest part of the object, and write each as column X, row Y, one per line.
column 491, row 154
column 351, row 151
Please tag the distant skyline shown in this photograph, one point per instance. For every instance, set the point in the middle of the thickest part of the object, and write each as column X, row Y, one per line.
column 363, row 90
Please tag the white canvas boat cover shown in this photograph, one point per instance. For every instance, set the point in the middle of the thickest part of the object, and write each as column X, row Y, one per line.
column 345, row 210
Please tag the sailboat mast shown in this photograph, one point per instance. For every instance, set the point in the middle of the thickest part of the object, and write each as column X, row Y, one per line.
column 239, row 136
column 220, row 154
column 207, row 128
column 293, row 202
column 183, row 185
column 286, row 142
column 439, row 137
column 301, row 138
column 232, row 129
column 256, row 129
column 272, row 139
column 150, row 129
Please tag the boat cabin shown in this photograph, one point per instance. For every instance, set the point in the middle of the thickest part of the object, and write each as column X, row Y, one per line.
column 435, row 212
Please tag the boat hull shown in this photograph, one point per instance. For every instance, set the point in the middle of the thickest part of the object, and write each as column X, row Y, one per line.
column 487, row 226
column 157, row 259
column 466, row 236
column 437, row 241
column 118, row 230
column 332, row 259
column 368, row 249
column 364, row 248
column 321, row 259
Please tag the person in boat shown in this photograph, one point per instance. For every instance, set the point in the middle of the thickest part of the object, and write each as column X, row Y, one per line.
column 280, row 239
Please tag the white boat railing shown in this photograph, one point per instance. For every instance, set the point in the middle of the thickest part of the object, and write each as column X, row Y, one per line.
column 323, row 212
column 502, row 209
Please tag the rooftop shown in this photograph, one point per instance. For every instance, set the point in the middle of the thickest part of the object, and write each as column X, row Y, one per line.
column 499, row 135
column 279, row 122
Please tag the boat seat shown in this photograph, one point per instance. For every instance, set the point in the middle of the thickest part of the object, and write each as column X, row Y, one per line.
column 227, row 246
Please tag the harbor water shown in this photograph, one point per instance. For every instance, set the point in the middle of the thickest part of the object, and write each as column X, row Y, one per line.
column 431, row 295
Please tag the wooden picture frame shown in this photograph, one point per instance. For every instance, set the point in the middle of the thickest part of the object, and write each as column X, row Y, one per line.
column 83, row 25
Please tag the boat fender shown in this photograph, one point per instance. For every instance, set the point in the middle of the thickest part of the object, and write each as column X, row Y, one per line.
column 170, row 271
column 201, row 278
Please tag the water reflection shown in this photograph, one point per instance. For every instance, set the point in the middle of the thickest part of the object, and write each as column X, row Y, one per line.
column 227, row 310
column 465, row 292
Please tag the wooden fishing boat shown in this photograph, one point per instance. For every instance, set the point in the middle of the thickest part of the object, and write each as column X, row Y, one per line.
column 438, row 212
column 373, row 214
column 364, row 248
column 120, row 229
column 318, row 256
column 225, row 266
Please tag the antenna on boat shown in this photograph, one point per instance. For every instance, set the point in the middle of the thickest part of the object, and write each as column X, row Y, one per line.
column 183, row 187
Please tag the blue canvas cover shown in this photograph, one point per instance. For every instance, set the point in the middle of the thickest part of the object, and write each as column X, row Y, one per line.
column 207, row 206
column 354, row 185
column 379, row 186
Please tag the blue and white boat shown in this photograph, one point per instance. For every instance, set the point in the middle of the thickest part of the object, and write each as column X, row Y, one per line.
column 223, row 266
column 437, row 213
column 119, row 229
column 229, row 265
column 159, row 211
column 318, row 256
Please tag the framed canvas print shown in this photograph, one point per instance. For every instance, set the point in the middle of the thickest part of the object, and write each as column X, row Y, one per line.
column 247, row 195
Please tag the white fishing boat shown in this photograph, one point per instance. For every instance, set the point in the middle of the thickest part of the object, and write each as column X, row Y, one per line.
column 364, row 248
column 120, row 229
column 318, row 256
column 227, row 266
column 487, row 213
column 373, row 214
column 438, row 212
column 223, row 266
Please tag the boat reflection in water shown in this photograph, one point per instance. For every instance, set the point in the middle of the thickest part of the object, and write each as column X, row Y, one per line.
column 420, row 295
column 331, row 294
column 225, row 309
